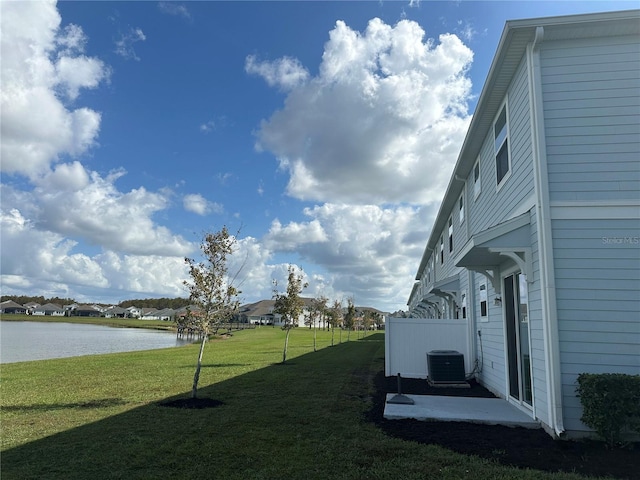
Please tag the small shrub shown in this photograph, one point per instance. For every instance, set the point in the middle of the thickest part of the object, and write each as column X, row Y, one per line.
column 611, row 404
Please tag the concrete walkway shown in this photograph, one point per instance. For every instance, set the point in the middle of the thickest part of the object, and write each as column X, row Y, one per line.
column 492, row 411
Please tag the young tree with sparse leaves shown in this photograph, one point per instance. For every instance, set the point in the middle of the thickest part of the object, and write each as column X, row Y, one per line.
column 317, row 311
column 349, row 317
column 289, row 305
column 335, row 317
column 211, row 290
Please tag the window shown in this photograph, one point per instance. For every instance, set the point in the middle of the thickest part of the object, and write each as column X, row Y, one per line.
column 450, row 234
column 463, row 304
column 461, row 208
column 501, row 135
column 441, row 249
column 477, row 186
column 484, row 312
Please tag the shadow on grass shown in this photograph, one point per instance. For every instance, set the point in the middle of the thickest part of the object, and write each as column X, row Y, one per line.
column 101, row 403
column 216, row 365
column 258, row 415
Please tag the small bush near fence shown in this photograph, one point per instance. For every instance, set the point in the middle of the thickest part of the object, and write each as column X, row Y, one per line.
column 611, row 404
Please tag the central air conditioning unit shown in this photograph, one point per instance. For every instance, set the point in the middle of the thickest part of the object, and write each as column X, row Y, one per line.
column 445, row 366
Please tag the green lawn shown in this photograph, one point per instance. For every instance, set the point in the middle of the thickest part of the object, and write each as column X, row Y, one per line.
column 98, row 417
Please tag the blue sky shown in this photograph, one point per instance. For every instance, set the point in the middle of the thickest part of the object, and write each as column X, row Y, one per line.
column 324, row 132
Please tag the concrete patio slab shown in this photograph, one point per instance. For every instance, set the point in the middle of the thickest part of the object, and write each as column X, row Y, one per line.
column 491, row 411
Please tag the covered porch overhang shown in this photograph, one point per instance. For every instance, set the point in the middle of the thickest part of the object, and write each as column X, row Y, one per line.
column 447, row 288
column 486, row 251
column 430, row 302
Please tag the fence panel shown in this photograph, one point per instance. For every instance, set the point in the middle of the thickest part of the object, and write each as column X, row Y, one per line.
column 407, row 341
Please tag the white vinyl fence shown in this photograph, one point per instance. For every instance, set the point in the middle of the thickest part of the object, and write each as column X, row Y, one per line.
column 408, row 340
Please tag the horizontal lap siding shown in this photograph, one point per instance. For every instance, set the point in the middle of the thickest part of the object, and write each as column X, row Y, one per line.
column 598, row 301
column 494, row 206
column 591, row 91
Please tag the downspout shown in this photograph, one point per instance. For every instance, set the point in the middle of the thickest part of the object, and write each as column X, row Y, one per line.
column 545, row 238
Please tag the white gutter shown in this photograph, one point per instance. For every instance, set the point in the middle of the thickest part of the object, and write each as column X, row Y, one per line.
column 545, row 238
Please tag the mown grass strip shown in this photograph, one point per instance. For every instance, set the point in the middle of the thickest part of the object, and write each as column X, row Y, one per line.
column 99, row 416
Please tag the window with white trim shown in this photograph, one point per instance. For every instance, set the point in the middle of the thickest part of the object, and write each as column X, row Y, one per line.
column 501, row 135
column 450, row 234
column 461, row 208
column 477, row 185
column 484, row 305
column 442, row 249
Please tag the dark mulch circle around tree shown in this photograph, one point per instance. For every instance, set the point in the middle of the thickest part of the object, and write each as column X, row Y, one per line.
column 194, row 403
column 519, row 447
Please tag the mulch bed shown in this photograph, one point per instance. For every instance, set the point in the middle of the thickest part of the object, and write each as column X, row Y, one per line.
column 514, row 446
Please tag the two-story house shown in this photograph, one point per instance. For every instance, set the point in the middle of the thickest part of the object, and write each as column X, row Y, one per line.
column 537, row 240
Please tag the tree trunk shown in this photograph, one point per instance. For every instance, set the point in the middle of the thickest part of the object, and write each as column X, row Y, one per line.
column 196, row 376
column 286, row 344
column 315, row 349
column 333, row 332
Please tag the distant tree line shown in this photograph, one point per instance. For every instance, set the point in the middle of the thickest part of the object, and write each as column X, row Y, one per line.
column 159, row 303
column 22, row 299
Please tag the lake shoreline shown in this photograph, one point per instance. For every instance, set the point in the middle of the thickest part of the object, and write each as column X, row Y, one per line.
column 102, row 321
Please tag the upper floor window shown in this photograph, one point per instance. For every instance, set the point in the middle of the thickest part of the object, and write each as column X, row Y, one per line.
column 461, row 207
column 441, row 249
column 501, row 134
column 450, row 234
column 477, row 186
column 484, row 307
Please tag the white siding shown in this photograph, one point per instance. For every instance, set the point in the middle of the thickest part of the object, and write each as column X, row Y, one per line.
column 591, row 94
column 494, row 206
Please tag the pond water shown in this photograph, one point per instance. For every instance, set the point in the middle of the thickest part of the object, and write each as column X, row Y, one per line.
column 26, row 341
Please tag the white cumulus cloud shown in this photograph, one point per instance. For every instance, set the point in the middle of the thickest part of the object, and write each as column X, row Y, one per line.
column 285, row 73
column 382, row 122
column 40, row 63
column 196, row 203
column 365, row 251
column 45, row 263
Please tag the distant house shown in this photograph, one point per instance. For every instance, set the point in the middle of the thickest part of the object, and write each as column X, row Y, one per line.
column 535, row 248
column 261, row 313
column 116, row 312
column 258, row 313
column 165, row 314
column 31, row 306
column 134, row 312
column 9, row 306
column 49, row 309
column 86, row 311
column 155, row 314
